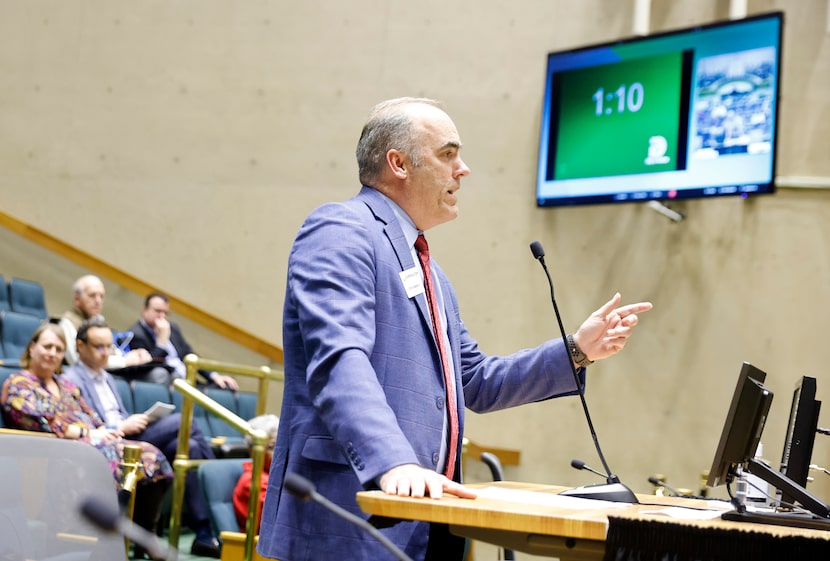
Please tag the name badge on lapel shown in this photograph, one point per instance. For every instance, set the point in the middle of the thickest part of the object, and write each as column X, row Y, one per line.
column 412, row 282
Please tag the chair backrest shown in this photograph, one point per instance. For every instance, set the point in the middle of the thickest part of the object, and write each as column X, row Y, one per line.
column 43, row 483
column 27, row 297
column 199, row 415
column 16, row 331
column 247, row 402
column 217, row 479
column 226, row 399
column 146, row 394
column 4, row 295
column 126, row 393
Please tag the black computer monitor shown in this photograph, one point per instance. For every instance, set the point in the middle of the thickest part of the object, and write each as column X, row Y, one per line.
column 743, row 427
column 801, row 434
column 736, row 450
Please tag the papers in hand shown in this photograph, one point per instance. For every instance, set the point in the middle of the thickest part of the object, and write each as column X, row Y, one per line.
column 159, row 409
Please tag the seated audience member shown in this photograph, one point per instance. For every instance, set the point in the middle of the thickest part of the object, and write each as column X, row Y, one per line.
column 88, row 300
column 98, row 390
column 164, row 340
column 39, row 399
column 242, row 492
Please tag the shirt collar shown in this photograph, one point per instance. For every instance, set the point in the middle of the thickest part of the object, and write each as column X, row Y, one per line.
column 95, row 375
column 410, row 232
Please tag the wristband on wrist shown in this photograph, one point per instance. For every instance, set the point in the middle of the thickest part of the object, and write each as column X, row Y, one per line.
column 579, row 358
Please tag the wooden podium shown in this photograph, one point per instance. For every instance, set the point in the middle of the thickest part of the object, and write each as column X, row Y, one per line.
column 540, row 529
column 571, row 534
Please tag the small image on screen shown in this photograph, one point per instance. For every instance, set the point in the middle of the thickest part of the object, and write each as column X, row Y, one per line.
column 734, row 97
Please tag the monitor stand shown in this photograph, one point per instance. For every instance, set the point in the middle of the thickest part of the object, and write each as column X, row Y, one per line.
column 819, row 520
column 792, row 519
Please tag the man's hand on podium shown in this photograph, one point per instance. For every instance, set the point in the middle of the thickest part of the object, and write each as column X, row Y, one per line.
column 411, row 480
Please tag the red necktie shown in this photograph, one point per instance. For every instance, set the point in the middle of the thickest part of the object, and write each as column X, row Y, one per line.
column 452, row 407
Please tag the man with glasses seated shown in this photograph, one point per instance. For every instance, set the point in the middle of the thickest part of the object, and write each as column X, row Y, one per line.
column 163, row 339
column 94, row 341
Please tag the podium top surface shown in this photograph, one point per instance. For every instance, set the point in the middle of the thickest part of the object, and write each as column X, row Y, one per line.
column 549, row 517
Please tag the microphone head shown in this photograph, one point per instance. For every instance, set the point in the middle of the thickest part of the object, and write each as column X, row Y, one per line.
column 537, row 250
column 103, row 515
column 298, row 485
column 654, row 481
column 578, row 464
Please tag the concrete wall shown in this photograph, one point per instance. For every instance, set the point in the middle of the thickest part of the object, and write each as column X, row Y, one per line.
column 185, row 142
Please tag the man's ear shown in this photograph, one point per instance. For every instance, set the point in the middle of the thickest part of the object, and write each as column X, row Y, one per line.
column 398, row 163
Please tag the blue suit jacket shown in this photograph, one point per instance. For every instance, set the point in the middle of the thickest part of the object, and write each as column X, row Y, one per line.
column 80, row 378
column 363, row 389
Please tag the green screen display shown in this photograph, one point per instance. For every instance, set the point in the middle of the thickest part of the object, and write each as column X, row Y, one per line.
column 612, row 118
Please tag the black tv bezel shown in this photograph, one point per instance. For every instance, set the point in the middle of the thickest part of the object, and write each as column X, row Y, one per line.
column 685, row 193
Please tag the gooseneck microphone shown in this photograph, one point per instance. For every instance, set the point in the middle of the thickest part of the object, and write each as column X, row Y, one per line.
column 107, row 517
column 301, row 487
column 579, row 464
column 614, row 490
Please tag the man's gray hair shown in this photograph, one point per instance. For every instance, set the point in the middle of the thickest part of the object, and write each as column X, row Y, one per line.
column 388, row 128
column 79, row 285
column 266, row 423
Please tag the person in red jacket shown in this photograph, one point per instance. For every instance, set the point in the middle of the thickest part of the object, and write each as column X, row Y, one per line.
column 242, row 492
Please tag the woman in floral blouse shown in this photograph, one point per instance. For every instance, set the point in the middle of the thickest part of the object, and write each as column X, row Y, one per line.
column 38, row 399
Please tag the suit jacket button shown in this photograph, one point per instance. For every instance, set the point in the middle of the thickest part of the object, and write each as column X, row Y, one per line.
column 435, row 458
column 439, row 403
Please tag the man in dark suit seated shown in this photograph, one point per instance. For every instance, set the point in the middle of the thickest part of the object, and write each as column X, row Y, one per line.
column 165, row 342
column 94, row 340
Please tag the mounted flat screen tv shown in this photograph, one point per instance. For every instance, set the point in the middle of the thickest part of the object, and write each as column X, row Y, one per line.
column 681, row 114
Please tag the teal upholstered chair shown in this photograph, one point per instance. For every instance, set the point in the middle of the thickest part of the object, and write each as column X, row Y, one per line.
column 4, row 295
column 27, row 297
column 217, row 479
column 16, row 329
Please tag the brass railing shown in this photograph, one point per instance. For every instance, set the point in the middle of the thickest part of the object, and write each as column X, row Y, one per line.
column 182, row 464
column 133, row 471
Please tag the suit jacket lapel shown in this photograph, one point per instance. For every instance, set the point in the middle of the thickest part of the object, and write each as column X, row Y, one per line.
column 379, row 207
column 88, row 391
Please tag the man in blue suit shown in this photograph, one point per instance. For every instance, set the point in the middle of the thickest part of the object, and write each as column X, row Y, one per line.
column 365, row 404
